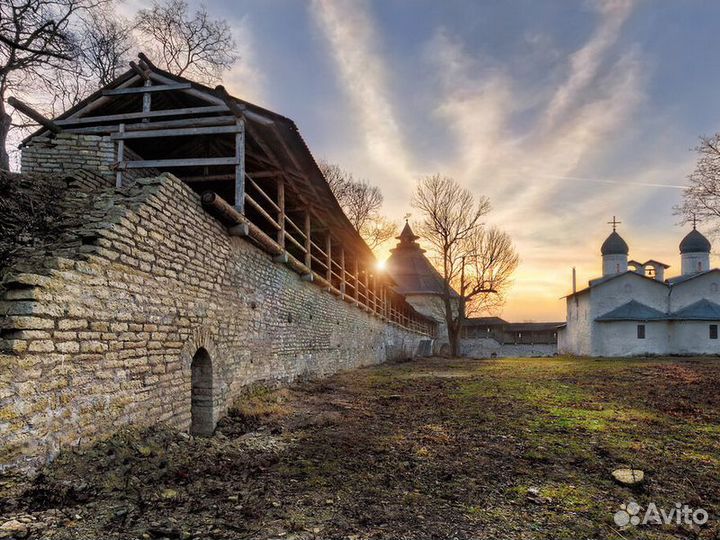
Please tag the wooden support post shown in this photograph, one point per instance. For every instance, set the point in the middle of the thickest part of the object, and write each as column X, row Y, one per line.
column 147, row 99
column 308, row 242
column 365, row 289
column 328, row 252
column 342, row 272
column 281, row 212
column 120, row 157
column 240, row 166
column 356, row 275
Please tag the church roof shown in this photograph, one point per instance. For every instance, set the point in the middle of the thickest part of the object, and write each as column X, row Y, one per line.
column 614, row 245
column 633, row 311
column 702, row 310
column 695, row 242
column 411, row 270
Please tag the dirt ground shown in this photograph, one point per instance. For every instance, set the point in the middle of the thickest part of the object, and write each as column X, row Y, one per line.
column 437, row 448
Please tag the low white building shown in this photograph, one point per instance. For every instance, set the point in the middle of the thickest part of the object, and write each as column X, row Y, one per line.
column 633, row 310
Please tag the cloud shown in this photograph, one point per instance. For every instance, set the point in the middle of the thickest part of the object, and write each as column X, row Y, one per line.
column 351, row 37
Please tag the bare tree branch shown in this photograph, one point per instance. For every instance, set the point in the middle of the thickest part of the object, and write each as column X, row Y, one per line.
column 701, row 198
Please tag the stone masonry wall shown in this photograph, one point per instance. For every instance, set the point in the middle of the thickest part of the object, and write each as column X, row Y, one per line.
column 100, row 329
column 66, row 152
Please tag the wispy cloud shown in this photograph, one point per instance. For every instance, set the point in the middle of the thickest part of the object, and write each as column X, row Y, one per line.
column 350, row 33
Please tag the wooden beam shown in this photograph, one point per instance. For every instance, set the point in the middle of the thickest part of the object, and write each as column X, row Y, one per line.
column 185, row 122
column 186, row 162
column 328, row 252
column 143, row 89
column 147, row 97
column 34, row 115
column 139, row 115
column 308, row 241
column 119, row 158
column 209, row 178
column 240, row 165
column 142, row 72
column 356, row 275
column 177, row 132
column 342, row 271
column 281, row 213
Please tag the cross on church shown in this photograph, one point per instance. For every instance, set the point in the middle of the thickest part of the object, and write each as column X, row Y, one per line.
column 614, row 223
column 694, row 221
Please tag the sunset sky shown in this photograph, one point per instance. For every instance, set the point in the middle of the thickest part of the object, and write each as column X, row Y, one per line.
column 563, row 113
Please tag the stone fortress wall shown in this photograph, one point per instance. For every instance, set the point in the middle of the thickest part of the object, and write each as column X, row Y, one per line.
column 145, row 310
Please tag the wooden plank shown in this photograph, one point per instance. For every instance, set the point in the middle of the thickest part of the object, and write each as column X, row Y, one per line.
column 139, row 115
column 120, row 157
column 186, row 162
column 176, row 132
column 185, row 122
column 209, row 178
column 143, row 89
column 261, row 192
column 240, row 165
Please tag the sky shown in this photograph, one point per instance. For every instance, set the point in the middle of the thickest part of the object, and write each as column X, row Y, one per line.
column 563, row 113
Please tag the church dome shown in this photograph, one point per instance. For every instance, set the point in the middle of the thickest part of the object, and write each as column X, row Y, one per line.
column 695, row 242
column 614, row 245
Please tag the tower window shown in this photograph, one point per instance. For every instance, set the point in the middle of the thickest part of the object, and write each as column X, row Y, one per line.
column 713, row 331
column 641, row 331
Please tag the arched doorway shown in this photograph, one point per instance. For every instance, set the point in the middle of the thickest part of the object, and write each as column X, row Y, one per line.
column 201, row 398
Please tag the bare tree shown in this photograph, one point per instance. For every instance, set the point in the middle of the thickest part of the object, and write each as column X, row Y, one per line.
column 474, row 262
column 187, row 44
column 105, row 45
column 41, row 57
column 361, row 202
column 701, row 198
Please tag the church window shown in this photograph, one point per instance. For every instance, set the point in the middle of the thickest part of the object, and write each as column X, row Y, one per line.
column 641, row 331
column 699, row 266
column 713, row 331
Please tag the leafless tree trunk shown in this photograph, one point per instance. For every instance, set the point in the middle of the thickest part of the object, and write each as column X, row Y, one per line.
column 187, row 44
column 701, row 198
column 361, row 202
column 474, row 262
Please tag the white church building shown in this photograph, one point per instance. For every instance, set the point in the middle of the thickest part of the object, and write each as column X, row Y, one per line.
column 634, row 310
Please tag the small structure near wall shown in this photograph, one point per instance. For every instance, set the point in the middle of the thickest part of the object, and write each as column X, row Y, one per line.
column 637, row 311
column 493, row 337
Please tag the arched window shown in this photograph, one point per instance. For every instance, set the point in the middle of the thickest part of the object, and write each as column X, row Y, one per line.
column 699, row 266
column 201, row 398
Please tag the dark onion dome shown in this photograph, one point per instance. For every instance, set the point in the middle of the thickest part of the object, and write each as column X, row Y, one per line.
column 614, row 245
column 695, row 242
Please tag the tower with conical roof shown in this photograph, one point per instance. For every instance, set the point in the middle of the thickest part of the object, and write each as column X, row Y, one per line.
column 694, row 252
column 419, row 281
column 614, row 252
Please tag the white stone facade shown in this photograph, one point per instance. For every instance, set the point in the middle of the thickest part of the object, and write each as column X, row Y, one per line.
column 632, row 313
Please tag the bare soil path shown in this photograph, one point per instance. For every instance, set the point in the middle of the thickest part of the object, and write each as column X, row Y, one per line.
column 437, row 448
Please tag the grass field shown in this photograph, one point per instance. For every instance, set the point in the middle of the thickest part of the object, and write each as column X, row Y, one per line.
column 437, row 448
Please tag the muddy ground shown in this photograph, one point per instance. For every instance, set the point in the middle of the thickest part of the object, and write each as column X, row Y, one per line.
column 437, row 448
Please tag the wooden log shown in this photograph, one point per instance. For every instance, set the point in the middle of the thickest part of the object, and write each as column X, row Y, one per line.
column 186, row 111
column 34, row 115
column 185, row 122
column 144, row 89
column 188, row 162
column 149, row 132
column 142, row 72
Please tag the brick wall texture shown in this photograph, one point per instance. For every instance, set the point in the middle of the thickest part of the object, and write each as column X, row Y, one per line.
column 99, row 328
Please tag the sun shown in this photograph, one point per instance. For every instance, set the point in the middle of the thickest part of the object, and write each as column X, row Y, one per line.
column 381, row 265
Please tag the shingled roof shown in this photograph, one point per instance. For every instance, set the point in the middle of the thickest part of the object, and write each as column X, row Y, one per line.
column 633, row 311
column 410, row 268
